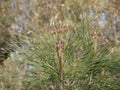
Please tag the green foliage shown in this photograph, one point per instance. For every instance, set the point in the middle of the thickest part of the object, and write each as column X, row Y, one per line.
column 5, row 20
column 62, row 49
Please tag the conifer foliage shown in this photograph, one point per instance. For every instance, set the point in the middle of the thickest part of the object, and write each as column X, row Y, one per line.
column 65, row 45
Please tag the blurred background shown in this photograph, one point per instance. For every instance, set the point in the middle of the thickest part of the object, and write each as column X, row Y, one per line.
column 59, row 44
